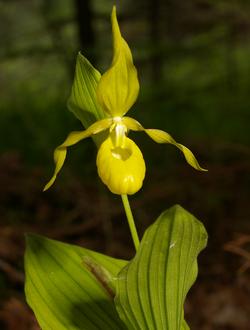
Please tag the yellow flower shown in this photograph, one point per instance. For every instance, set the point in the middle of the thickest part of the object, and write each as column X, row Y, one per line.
column 119, row 161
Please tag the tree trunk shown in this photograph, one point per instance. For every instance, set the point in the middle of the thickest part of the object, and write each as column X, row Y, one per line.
column 155, row 38
column 84, row 18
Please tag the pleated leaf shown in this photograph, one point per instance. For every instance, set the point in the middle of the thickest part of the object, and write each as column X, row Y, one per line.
column 83, row 101
column 152, row 288
column 69, row 287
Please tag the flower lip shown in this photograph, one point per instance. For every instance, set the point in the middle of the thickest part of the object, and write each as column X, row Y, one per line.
column 121, row 169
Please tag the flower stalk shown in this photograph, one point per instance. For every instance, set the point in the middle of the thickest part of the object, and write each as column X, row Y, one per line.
column 131, row 221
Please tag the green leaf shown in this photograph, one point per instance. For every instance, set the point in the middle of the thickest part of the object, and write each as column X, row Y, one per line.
column 152, row 288
column 82, row 101
column 68, row 287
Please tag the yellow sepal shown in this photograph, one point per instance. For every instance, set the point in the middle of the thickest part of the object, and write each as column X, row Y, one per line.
column 118, row 88
column 122, row 169
column 74, row 137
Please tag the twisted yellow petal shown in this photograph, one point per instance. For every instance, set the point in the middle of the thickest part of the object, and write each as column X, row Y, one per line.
column 122, row 169
column 118, row 88
column 160, row 136
column 74, row 137
column 163, row 137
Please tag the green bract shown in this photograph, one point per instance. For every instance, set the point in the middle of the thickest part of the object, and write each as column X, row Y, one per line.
column 83, row 100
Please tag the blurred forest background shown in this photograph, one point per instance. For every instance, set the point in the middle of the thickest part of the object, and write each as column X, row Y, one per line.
column 193, row 59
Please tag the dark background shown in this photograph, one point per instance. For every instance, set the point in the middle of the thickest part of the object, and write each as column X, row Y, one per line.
column 193, row 59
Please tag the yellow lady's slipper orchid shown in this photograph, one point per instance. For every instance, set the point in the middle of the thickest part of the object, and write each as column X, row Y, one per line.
column 119, row 162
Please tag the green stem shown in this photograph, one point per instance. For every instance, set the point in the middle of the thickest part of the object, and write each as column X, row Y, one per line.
column 131, row 221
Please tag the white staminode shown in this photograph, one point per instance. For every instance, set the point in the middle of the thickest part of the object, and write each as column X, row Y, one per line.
column 120, row 131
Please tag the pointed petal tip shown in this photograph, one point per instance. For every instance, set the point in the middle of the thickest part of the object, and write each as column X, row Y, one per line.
column 198, row 167
column 46, row 187
column 193, row 161
column 49, row 184
column 113, row 15
column 115, row 25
